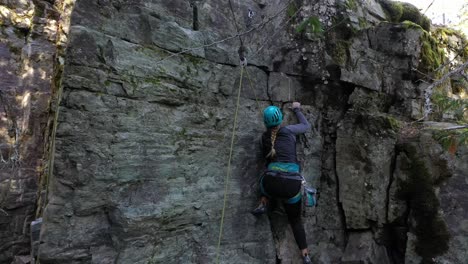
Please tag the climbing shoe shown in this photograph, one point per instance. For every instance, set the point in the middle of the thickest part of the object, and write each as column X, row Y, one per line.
column 261, row 209
column 306, row 259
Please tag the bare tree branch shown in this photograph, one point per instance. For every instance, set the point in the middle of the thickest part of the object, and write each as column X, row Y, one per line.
column 456, row 127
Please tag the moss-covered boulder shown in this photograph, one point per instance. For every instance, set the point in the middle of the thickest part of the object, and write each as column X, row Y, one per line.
column 400, row 11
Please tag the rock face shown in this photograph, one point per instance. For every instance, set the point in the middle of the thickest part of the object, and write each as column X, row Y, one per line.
column 147, row 104
column 28, row 44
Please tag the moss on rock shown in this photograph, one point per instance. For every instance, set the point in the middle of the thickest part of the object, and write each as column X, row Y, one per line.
column 409, row 24
column 394, row 123
column 394, row 10
column 398, row 12
column 339, row 52
column 432, row 56
column 452, row 39
column 430, row 229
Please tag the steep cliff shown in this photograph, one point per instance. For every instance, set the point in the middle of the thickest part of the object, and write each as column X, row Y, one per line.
column 29, row 39
column 147, row 100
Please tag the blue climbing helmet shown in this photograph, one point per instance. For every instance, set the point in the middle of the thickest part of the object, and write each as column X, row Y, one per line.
column 272, row 116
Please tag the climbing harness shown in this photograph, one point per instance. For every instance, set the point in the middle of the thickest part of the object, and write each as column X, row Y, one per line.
column 291, row 200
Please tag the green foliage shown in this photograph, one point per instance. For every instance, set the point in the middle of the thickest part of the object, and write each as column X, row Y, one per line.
column 311, row 25
column 443, row 103
column 292, row 9
column 430, row 229
column 444, row 36
column 351, row 4
column 362, row 22
column 425, row 23
column 451, row 139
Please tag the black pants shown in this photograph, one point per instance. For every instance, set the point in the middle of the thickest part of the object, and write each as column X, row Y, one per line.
column 284, row 189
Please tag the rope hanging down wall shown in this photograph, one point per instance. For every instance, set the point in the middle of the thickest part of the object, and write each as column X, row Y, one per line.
column 243, row 63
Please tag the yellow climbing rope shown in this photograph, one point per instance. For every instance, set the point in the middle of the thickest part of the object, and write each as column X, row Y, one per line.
column 228, row 173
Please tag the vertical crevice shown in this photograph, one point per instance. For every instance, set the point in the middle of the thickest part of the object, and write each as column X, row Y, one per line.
column 196, row 24
column 335, row 97
column 65, row 8
column 390, row 182
column 337, row 179
column 268, row 92
column 395, row 231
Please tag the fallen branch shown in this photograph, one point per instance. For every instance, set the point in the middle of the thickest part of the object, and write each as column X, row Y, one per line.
column 456, row 127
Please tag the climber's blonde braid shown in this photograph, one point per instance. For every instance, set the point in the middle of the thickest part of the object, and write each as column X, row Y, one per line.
column 274, row 132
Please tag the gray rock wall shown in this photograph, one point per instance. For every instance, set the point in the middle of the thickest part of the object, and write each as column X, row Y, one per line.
column 147, row 102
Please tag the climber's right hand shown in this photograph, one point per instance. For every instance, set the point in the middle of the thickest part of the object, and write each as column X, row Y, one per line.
column 296, row 105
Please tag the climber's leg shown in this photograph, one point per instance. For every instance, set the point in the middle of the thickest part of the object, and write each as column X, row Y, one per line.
column 293, row 212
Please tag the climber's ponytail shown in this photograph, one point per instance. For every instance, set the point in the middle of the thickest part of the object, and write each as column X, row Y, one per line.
column 274, row 132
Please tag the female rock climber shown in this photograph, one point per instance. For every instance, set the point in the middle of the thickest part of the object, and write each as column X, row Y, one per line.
column 282, row 179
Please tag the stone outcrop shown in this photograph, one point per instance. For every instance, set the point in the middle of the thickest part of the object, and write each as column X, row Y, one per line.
column 28, row 42
column 144, row 101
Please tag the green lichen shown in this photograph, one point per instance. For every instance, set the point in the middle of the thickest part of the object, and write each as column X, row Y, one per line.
column 196, row 61
column 107, row 83
column 156, row 81
column 430, row 229
column 394, row 123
